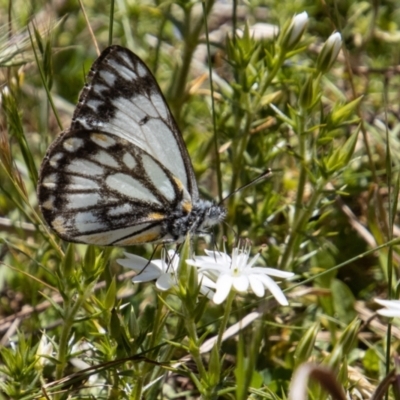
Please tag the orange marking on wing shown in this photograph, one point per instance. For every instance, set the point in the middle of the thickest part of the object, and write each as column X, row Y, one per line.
column 187, row 206
column 179, row 183
column 145, row 237
column 156, row 216
column 100, row 136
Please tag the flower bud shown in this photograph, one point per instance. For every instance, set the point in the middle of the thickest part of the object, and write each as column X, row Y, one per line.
column 329, row 52
column 292, row 33
column 44, row 350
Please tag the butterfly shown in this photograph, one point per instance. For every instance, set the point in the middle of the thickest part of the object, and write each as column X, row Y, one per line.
column 121, row 174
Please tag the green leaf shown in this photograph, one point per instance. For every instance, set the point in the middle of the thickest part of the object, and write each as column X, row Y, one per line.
column 371, row 360
column 341, row 156
column 341, row 114
column 109, row 301
column 343, row 301
column 306, row 344
column 214, row 366
column 68, row 263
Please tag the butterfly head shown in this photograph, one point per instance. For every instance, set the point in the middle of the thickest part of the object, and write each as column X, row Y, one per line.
column 213, row 214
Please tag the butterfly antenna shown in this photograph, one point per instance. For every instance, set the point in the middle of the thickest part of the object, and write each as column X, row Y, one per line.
column 262, row 176
column 171, row 259
column 150, row 259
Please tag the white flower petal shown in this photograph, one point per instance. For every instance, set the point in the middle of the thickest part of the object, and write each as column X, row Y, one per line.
column 149, row 274
column 215, row 268
column 241, row 283
column 257, row 285
column 272, row 272
column 274, row 289
column 133, row 256
column 393, row 304
column 134, row 262
column 334, row 42
column 171, row 264
column 165, row 282
column 241, row 261
column 253, row 260
column 298, row 25
column 389, row 313
column 206, row 281
column 218, row 257
column 158, row 264
column 392, row 308
column 207, row 292
column 224, row 285
column 213, row 275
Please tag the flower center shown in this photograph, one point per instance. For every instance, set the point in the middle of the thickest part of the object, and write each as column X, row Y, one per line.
column 235, row 271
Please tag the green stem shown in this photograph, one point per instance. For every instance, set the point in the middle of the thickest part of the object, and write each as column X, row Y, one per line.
column 303, row 167
column 136, row 393
column 227, row 314
column 194, row 347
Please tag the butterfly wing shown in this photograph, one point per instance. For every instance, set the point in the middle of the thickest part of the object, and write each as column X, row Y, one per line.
column 99, row 188
column 122, row 168
column 123, row 98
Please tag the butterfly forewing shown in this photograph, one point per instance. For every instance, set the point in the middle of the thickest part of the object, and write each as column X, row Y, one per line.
column 123, row 98
column 91, row 195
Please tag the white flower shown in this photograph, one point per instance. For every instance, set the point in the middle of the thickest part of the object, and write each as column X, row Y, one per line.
column 240, row 273
column 392, row 308
column 164, row 271
column 297, row 28
column 329, row 52
column 44, row 350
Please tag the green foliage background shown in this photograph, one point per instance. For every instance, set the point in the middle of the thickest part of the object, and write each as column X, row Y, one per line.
column 332, row 198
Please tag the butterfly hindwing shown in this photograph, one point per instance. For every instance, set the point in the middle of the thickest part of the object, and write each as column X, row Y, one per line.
column 94, row 182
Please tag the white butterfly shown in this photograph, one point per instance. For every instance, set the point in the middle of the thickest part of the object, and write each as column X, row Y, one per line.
column 121, row 174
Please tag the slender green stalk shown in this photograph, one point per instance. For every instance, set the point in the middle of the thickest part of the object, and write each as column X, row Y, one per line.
column 111, row 27
column 227, row 314
column 136, row 393
column 194, row 344
column 303, row 167
column 390, row 231
column 43, row 79
column 214, row 117
column 350, row 261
